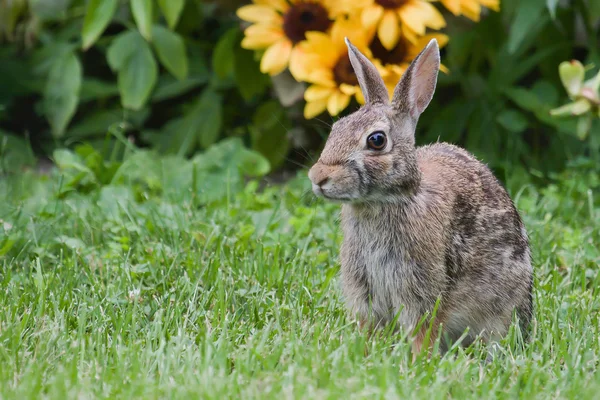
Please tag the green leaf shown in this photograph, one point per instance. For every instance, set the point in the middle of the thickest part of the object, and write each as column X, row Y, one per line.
column 269, row 131
column 98, row 15
column 48, row 10
column 571, row 74
column 223, row 55
column 250, row 81
column 132, row 57
column 584, row 124
column 15, row 152
column 171, row 51
column 96, row 89
column 578, row 107
column 121, row 49
column 62, row 93
column 171, row 9
column 524, row 22
column 201, row 125
column 512, row 120
column 210, row 110
column 551, row 5
column 142, row 14
column 169, row 87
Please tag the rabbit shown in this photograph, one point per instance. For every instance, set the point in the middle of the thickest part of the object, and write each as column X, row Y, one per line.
column 423, row 227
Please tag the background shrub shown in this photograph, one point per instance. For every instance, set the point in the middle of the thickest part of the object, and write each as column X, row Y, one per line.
column 172, row 76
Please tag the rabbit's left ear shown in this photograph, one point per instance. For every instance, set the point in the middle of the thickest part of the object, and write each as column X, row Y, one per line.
column 370, row 81
column 416, row 87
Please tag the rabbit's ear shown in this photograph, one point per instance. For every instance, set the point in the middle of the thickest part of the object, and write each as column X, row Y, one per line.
column 369, row 79
column 416, row 87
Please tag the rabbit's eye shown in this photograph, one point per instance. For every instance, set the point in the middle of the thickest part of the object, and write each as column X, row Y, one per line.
column 376, row 140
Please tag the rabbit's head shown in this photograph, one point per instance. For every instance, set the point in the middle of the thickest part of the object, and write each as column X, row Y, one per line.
column 370, row 155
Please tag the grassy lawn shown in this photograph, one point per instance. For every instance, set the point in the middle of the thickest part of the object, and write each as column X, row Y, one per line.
column 143, row 289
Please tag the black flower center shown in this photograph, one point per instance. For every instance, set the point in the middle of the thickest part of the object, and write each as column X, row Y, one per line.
column 391, row 3
column 304, row 17
column 343, row 71
column 397, row 55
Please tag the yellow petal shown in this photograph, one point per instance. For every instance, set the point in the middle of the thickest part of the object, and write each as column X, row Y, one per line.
column 337, row 102
column 350, row 28
column 276, row 58
column 371, row 15
column 409, row 34
column 471, row 9
column 314, row 108
column 260, row 36
column 452, row 5
column 415, row 48
column 444, row 69
column 418, row 15
column 389, row 31
column 360, row 97
column 316, row 92
column 279, row 5
column 322, row 77
column 256, row 13
column 348, row 89
column 321, row 45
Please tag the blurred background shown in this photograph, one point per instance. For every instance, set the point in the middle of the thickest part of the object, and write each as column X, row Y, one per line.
column 260, row 83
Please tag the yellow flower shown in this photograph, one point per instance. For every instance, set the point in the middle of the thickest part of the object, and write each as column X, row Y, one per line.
column 470, row 8
column 396, row 18
column 279, row 24
column 393, row 63
column 322, row 61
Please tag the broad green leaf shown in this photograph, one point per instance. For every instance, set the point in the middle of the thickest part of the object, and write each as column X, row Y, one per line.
column 210, row 110
column 121, row 49
column 15, row 152
column 529, row 14
column 49, row 10
column 138, row 77
column 170, row 49
column 578, row 107
column 96, row 89
column 169, row 87
column 223, row 54
column 62, row 93
column 551, row 5
column 142, row 11
column 525, row 99
column 512, row 120
column 98, row 14
column 171, row 9
column 132, row 57
column 268, row 132
column 571, row 74
column 253, row 163
column 200, row 125
column 584, row 124
column 250, row 81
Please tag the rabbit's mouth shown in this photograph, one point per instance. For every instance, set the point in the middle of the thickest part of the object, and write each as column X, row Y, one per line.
column 330, row 193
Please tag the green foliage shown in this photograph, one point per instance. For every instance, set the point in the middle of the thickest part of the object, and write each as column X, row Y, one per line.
column 503, row 82
column 172, row 75
column 135, row 65
column 137, row 287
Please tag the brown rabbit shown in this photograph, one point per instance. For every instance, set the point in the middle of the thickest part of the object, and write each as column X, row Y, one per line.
column 421, row 223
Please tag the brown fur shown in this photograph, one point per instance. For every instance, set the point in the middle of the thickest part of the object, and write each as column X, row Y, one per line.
column 421, row 224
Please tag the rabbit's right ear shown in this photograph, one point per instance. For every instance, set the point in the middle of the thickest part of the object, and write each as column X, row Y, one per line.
column 370, row 81
column 416, row 87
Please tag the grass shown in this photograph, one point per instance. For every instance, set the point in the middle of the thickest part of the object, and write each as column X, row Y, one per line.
column 125, row 291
